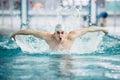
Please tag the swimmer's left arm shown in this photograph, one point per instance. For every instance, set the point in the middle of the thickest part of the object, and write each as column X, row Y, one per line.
column 79, row 32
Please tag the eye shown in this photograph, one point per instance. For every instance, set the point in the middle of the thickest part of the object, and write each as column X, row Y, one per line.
column 62, row 32
column 58, row 32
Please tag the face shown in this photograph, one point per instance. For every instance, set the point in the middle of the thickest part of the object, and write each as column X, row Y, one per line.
column 60, row 35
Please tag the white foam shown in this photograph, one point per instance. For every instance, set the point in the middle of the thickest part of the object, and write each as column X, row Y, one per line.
column 31, row 44
column 87, row 43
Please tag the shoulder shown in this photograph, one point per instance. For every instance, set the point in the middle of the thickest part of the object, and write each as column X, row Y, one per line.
column 71, row 35
column 47, row 35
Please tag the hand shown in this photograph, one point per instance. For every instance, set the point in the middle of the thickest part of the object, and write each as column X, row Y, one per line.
column 105, row 31
column 13, row 36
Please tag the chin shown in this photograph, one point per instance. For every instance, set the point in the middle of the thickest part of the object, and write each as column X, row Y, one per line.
column 60, row 40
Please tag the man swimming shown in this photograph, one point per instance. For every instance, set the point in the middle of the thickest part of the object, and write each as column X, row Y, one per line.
column 60, row 39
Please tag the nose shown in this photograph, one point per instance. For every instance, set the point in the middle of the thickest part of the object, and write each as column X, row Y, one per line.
column 60, row 35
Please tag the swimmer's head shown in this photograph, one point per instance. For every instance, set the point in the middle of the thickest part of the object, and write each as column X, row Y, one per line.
column 59, row 32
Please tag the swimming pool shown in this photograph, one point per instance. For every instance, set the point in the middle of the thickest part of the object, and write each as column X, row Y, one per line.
column 102, row 64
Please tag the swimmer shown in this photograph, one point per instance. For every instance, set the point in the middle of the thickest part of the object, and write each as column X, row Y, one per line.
column 60, row 39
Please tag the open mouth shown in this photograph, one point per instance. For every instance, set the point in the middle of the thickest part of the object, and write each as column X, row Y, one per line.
column 60, row 39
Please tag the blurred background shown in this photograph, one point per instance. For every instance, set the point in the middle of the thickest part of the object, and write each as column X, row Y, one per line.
column 40, row 14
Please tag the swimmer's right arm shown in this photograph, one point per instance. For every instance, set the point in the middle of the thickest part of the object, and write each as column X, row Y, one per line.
column 39, row 34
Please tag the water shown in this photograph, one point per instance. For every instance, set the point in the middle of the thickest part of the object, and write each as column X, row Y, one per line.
column 101, row 64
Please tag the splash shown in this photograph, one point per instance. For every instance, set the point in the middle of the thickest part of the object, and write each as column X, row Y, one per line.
column 31, row 44
column 85, row 44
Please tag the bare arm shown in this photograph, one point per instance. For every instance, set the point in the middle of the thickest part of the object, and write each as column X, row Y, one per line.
column 76, row 33
column 35, row 33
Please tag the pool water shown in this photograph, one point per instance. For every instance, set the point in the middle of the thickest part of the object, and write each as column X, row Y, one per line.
column 102, row 64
